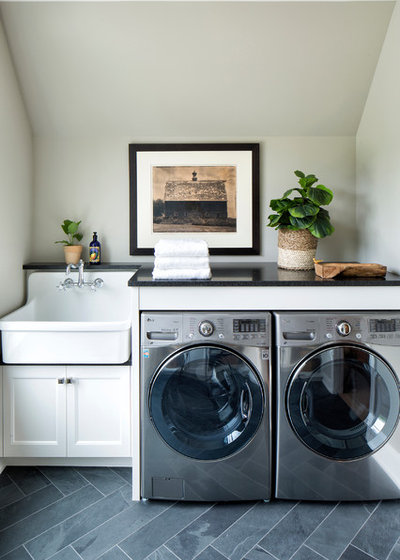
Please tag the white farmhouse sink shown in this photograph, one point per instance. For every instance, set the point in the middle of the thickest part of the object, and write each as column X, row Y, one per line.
column 77, row 326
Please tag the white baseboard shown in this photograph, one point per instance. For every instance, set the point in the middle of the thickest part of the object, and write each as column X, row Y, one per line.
column 65, row 462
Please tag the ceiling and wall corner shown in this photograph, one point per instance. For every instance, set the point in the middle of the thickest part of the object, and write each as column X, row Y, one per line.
column 16, row 176
column 378, row 149
column 98, row 75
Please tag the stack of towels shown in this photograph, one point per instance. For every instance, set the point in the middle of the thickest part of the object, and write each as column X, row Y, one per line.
column 177, row 259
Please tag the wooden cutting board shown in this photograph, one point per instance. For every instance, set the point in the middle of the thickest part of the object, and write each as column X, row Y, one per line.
column 332, row 269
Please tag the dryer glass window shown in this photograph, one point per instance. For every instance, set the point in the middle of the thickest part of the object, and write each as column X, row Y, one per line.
column 206, row 402
column 343, row 402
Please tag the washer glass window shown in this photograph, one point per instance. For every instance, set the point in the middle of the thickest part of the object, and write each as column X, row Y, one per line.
column 343, row 402
column 206, row 402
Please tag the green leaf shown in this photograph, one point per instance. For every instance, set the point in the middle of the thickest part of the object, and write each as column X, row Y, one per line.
column 65, row 225
column 287, row 226
column 280, row 204
column 73, row 227
column 289, row 192
column 299, row 174
column 321, row 227
column 302, row 223
column 310, row 180
column 320, row 195
column 302, row 210
column 65, row 242
column 78, row 236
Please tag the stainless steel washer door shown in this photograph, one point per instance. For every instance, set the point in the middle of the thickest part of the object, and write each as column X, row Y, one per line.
column 206, row 402
column 343, row 402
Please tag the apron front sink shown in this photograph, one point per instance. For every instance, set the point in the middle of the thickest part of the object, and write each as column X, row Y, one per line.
column 76, row 326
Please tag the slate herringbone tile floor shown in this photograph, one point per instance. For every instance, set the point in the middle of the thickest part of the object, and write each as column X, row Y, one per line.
column 87, row 513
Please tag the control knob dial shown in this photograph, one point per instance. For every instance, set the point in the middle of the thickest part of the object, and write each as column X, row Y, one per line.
column 206, row 328
column 343, row 328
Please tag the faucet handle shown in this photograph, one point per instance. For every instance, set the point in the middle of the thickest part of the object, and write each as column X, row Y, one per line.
column 68, row 283
column 98, row 283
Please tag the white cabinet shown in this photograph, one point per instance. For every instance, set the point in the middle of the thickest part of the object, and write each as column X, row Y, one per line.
column 98, row 411
column 73, row 411
column 1, row 413
column 34, row 411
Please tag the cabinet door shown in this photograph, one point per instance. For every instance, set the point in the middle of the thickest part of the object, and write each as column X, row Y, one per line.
column 34, row 411
column 1, row 413
column 98, row 411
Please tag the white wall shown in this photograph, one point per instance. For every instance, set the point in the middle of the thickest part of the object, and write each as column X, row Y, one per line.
column 15, row 184
column 88, row 179
column 378, row 158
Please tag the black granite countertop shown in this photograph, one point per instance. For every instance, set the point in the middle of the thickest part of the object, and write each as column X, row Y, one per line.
column 51, row 266
column 261, row 274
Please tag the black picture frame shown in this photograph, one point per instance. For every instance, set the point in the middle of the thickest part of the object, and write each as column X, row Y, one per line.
column 141, row 164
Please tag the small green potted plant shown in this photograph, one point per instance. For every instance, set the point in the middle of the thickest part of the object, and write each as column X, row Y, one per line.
column 301, row 221
column 72, row 250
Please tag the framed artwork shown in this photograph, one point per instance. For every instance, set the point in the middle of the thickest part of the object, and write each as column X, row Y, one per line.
column 205, row 191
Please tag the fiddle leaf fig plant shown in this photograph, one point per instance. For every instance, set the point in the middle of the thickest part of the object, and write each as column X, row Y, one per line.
column 70, row 228
column 303, row 211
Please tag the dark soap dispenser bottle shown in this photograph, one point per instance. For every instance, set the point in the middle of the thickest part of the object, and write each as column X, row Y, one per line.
column 94, row 250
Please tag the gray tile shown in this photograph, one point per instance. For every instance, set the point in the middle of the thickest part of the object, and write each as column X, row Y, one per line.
column 238, row 539
column 104, row 479
column 66, row 554
column 336, row 532
column 66, row 479
column 290, row 533
column 28, row 479
column 118, row 528
column 115, row 554
column 17, row 554
column 395, row 553
column 9, row 494
column 5, row 480
column 353, row 553
column 162, row 553
column 209, row 553
column 35, row 524
column 258, row 553
column 142, row 543
column 58, row 537
column 305, row 553
column 28, row 505
column 382, row 530
column 200, row 533
column 124, row 472
column 371, row 506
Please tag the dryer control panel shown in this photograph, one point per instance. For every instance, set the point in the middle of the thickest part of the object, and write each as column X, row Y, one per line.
column 241, row 328
column 307, row 329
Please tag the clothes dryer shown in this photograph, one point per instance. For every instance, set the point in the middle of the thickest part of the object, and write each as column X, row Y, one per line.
column 338, row 434
column 205, row 406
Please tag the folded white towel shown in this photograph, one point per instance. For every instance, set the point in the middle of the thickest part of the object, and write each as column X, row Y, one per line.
column 181, row 248
column 182, row 274
column 181, row 262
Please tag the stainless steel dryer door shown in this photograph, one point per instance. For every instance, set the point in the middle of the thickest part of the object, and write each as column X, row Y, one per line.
column 343, row 402
column 206, row 402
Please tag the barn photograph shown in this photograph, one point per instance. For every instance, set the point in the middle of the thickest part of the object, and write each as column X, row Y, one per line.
column 199, row 198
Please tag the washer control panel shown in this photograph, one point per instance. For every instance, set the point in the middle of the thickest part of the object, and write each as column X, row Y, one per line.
column 242, row 328
column 306, row 329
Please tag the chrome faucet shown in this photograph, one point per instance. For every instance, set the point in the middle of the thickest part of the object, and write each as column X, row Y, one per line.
column 69, row 283
column 81, row 272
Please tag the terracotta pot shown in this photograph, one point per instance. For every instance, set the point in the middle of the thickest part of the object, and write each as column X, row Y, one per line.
column 296, row 249
column 72, row 253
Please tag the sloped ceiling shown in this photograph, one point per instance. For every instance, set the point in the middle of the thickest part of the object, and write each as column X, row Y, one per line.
column 195, row 69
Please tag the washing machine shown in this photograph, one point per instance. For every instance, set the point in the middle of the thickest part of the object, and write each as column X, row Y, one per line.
column 205, row 406
column 338, row 434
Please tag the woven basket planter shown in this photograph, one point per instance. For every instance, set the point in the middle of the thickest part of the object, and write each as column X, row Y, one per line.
column 296, row 249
